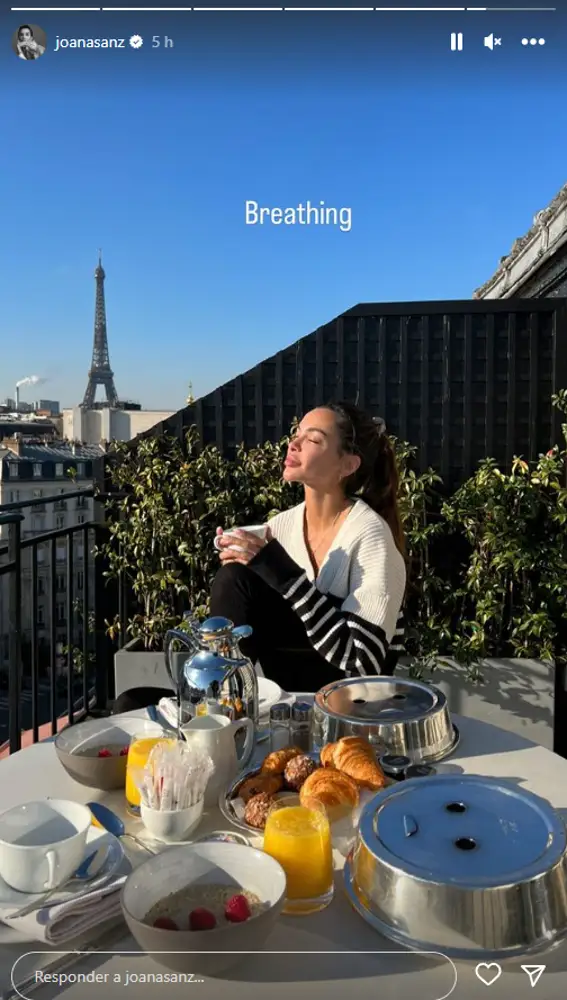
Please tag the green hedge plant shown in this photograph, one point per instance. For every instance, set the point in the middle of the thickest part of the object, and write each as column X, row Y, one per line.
column 504, row 595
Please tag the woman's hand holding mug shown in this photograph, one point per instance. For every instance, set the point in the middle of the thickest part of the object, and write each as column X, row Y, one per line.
column 241, row 544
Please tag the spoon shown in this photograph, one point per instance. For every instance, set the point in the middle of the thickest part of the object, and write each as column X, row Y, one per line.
column 109, row 821
column 84, row 873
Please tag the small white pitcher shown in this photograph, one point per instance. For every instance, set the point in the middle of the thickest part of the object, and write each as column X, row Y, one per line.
column 216, row 735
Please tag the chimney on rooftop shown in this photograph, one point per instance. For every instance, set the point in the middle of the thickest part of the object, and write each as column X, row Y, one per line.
column 13, row 444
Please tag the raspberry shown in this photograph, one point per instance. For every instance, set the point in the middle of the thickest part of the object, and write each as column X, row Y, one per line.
column 166, row 924
column 124, row 752
column 202, row 920
column 237, row 910
column 104, row 753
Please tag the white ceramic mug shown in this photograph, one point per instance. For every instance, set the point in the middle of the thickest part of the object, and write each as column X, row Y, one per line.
column 216, row 734
column 42, row 843
column 254, row 529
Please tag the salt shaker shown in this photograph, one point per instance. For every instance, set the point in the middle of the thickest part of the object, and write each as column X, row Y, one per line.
column 300, row 728
column 420, row 771
column 279, row 727
column 394, row 766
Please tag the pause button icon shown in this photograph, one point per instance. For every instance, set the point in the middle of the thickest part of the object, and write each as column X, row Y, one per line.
column 456, row 41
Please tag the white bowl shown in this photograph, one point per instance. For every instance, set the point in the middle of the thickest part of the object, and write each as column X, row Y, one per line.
column 207, row 863
column 105, row 773
column 172, row 825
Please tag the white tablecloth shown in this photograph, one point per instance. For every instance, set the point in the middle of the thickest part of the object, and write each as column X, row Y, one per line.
column 319, row 962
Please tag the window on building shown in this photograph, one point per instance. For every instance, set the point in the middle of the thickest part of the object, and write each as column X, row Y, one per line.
column 80, row 468
column 61, row 554
column 59, row 469
column 59, row 521
column 14, row 470
column 82, row 503
column 60, row 582
column 37, row 494
column 37, row 470
column 38, row 522
column 80, row 580
column 80, row 519
column 60, row 612
column 40, row 616
column 41, row 586
column 14, row 496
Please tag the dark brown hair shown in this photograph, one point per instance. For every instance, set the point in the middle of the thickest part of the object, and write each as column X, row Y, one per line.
column 376, row 480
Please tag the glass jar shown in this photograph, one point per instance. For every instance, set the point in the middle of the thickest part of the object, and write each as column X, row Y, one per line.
column 300, row 726
column 394, row 766
column 279, row 727
column 420, row 771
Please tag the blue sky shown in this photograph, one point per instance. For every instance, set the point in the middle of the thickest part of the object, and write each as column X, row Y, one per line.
column 152, row 155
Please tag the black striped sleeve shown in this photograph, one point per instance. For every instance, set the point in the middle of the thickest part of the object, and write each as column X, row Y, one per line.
column 342, row 635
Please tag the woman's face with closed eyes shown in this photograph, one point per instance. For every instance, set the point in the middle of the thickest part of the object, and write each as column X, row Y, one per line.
column 314, row 455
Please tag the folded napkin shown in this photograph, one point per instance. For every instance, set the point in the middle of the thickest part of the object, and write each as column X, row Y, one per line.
column 82, row 911
column 168, row 708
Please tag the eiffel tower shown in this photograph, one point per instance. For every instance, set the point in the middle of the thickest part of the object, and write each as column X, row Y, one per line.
column 100, row 372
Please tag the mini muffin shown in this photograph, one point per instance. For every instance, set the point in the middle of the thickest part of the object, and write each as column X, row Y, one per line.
column 276, row 762
column 267, row 783
column 258, row 809
column 298, row 771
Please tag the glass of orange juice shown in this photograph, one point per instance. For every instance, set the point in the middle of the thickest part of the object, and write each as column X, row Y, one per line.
column 300, row 839
column 141, row 746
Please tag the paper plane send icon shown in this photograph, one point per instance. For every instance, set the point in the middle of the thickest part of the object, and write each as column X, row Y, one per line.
column 534, row 973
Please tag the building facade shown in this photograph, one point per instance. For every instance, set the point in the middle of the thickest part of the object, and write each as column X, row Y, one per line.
column 108, row 423
column 45, row 473
column 536, row 266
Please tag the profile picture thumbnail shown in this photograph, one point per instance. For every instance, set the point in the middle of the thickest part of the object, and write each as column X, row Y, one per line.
column 29, row 41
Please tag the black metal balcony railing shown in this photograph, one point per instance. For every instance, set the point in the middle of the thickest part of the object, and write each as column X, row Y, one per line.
column 62, row 657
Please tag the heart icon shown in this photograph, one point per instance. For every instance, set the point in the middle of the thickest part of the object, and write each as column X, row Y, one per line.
column 488, row 972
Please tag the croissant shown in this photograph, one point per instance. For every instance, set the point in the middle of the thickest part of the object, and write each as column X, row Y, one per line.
column 331, row 788
column 354, row 756
column 276, row 762
column 326, row 755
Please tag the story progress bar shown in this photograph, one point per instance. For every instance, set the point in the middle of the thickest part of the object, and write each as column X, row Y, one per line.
column 311, row 10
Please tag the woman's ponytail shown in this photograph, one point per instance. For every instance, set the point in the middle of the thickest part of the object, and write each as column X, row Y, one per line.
column 376, row 481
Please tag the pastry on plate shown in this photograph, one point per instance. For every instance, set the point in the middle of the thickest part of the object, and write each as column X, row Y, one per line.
column 268, row 783
column 298, row 770
column 354, row 756
column 330, row 788
column 258, row 809
column 276, row 762
column 326, row 755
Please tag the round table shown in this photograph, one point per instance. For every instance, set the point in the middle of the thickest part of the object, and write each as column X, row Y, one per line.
column 322, row 955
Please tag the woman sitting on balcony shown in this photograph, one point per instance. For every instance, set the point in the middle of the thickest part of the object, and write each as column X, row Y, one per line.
column 323, row 590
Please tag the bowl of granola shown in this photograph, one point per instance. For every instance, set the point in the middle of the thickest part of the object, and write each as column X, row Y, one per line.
column 204, row 907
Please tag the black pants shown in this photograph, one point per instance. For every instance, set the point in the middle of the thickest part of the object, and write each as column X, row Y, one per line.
column 279, row 640
column 136, row 698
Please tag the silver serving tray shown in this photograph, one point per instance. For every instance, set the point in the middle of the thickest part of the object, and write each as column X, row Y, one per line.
column 397, row 716
column 470, row 866
column 227, row 797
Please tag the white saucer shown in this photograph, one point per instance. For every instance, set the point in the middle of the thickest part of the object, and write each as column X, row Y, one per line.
column 269, row 694
column 11, row 899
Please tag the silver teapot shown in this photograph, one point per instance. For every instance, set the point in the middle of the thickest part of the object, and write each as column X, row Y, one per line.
column 216, row 670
